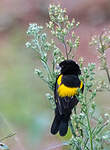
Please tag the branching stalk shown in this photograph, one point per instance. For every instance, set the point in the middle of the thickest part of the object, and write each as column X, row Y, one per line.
column 10, row 135
column 108, row 75
column 65, row 49
column 90, row 132
column 70, row 51
column 88, row 121
column 72, row 128
column 102, row 49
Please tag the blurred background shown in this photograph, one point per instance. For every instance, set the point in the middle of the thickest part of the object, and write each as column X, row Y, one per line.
column 23, row 105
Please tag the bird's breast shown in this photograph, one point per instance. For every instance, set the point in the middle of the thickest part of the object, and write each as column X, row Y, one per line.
column 64, row 90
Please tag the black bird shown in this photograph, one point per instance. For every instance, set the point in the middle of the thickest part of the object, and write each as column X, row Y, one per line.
column 66, row 86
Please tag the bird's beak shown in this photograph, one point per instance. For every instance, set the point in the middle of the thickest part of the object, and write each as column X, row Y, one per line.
column 58, row 67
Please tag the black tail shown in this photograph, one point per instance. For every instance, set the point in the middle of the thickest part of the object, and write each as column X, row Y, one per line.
column 56, row 122
column 55, row 125
column 62, row 116
column 63, row 128
column 60, row 123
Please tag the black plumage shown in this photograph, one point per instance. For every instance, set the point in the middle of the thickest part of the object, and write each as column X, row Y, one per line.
column 65, row 95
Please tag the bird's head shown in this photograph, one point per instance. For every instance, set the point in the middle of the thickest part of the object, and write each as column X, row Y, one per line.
column 69, row 67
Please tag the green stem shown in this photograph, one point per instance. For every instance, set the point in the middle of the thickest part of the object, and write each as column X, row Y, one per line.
column 97, row 131
column 90, row 132
column 77, row 124
column 10, row 135
column 70, row 51
column 78, row 147
column 108, row 75
column 43, row 61
column 88, row 121
column 72, row 129
column 53, row 63
column 46, row 67
column 75, row 110
column 65, row 49
column 102, row 48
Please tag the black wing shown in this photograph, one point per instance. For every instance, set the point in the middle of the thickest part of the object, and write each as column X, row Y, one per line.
column 56, row 97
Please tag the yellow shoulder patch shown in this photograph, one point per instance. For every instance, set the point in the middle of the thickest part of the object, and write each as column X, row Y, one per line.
column 64, row 91
column 59, row 79
column 81, row 85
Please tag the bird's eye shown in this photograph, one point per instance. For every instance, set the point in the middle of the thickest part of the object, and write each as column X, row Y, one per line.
column 62, row 66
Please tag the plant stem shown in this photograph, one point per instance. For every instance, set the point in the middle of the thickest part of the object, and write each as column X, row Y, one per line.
column 69, row 51
column 78, row 147
column 90, row 132
column 65, row 49
column 88, row 121
column 53, row 65
column 75, row 110
column 10, row 135
column 72, row 129
column 97, row 131
column 46, row 66
column 108, row 75
column 77, row 124
column 106, row 68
